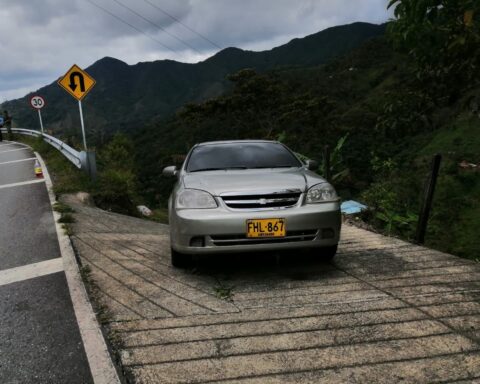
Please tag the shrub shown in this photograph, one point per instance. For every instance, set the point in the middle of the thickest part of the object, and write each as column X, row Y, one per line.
column 116, row 191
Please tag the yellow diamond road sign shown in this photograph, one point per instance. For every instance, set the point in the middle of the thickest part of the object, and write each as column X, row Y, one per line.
column 77, row 82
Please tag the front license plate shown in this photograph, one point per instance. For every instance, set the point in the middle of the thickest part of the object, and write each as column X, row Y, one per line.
column 266, row 228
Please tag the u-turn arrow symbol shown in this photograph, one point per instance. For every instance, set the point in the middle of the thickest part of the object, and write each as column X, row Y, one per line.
column 73, row 84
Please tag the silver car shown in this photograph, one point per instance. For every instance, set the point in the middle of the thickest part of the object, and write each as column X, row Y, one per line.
column 250, row 195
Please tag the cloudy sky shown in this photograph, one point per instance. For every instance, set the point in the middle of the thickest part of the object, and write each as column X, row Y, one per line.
column 41, row 39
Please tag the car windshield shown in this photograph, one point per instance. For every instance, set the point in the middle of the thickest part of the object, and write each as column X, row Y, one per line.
column 241, row 156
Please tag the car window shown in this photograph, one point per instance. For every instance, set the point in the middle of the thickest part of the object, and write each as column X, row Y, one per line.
column 241, row 156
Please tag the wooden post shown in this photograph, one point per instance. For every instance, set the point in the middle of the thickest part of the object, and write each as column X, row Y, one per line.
column 326, row 163
column 427, row 200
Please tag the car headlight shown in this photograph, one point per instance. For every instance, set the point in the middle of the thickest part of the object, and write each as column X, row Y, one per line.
column 321, row 193
column 195, row 199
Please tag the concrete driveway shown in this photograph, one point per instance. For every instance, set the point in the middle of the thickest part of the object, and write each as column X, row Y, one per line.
column 384, row 311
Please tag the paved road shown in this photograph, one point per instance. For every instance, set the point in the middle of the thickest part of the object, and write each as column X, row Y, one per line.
column 39, row 336
column 384, row 311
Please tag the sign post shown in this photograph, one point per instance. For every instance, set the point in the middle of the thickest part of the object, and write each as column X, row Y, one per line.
column 83, row 125
column 78, row 83
column 37, row 102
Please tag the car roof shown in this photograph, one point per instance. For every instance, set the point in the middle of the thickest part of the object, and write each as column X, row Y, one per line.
column 235, row 142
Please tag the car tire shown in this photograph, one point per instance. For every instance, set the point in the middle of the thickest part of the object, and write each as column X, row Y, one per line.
column 180, row 260
column 328, row 253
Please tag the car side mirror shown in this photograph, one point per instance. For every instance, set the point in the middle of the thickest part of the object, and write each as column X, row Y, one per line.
column 312, row 165
column 170, row 171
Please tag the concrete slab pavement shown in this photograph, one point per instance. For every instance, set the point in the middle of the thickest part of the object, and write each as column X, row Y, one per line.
column 383, row 311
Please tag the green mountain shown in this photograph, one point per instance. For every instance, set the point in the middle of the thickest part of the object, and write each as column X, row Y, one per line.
column 369, row 105
column 128, row 96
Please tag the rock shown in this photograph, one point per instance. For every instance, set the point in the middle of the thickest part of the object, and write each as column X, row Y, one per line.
column 82, row 198
column 85, row 199
column 145, row 211
column 465, row 165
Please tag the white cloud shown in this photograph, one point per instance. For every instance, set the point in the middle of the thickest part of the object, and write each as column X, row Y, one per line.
column 40, row 40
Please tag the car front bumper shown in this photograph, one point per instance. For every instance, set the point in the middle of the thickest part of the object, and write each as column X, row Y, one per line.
column 221, row 230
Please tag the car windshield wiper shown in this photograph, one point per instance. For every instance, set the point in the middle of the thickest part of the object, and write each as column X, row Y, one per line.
column 217, row 169
column 274, row 166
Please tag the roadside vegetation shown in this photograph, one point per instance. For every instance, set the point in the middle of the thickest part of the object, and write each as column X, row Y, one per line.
column 116, row 188
column 385, row 109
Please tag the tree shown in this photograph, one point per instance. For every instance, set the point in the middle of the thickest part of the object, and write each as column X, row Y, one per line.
column 443, row 36
column 117, row 182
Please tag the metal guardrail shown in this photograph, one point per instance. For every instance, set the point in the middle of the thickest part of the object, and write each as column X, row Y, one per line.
column 82, row 160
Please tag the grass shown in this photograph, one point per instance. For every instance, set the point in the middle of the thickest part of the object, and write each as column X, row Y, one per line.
column 114, row 189
column 62, row 208
column 66, row 218
column 160, row 215
column 223, row 292
column 66, row 178
column 465, row 241
column 67, row 229
column 101, row 310
column 462, row 138
column 459, row 141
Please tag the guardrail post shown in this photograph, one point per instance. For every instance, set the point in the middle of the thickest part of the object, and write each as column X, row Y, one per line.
column 88, row 163
column 427, row 200
column 92, row 165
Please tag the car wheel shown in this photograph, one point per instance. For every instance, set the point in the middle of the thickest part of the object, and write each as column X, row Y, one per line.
column 328, row 253
column 180, row 260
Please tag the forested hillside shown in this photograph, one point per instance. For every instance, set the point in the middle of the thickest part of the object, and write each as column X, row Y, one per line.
column 128, row 96
column 387, row 106
column 307, row 108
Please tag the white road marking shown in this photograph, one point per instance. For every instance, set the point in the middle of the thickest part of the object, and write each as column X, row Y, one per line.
column 14, row 150
column 101, row 365
column 35, row 181
column 18, row 161
column 30, row 271
column 16, row 144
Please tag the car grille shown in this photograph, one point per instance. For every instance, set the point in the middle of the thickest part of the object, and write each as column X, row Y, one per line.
column 292, row 236
column 274, row 200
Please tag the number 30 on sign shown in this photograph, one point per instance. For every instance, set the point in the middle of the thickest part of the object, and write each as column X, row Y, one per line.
column 37, row 102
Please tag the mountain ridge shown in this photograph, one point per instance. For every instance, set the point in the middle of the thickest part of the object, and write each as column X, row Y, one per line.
column 128, row 95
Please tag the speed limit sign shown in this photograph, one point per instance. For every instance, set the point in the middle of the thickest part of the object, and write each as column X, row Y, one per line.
column 37, row 102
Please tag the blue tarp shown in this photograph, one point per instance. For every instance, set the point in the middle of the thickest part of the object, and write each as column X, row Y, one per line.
column 351, row 207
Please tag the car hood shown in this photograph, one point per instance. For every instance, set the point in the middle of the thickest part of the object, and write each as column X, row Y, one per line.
column 252, row 181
